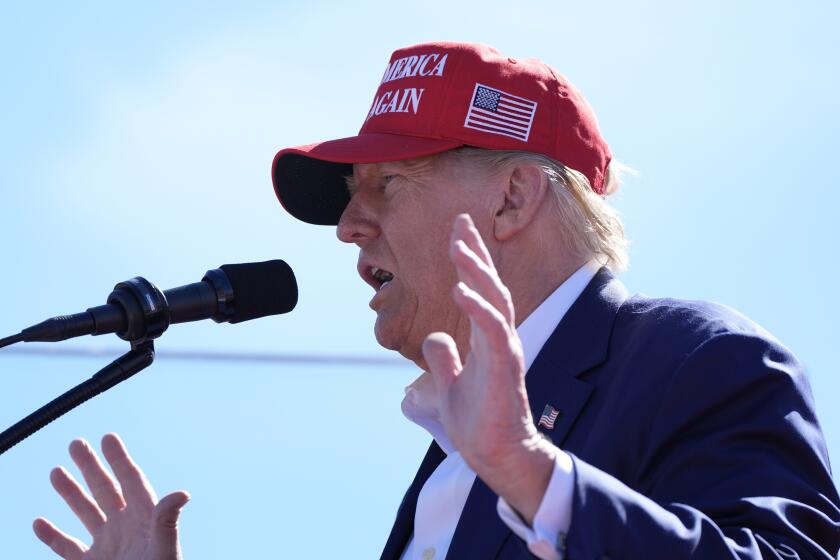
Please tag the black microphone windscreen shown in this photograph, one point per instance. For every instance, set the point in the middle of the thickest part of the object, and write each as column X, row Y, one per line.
column 261, row 289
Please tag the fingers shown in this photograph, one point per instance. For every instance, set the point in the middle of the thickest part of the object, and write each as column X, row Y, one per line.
column 464, row 228
column 475, row 268
column 481, row 278
column 135, row 487
column 442, row 358
column 62, row 544
column 106, row 492
column 169, row 508
column 82, row 505
column 486, row 317
column 165, row 525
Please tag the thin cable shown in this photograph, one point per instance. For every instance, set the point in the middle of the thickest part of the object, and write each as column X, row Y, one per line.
column 211, row 356
column 9, row 340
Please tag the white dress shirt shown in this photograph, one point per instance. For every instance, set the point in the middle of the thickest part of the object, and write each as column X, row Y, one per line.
column 443, row 496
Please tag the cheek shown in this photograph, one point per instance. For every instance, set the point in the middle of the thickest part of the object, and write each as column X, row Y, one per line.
column 423, row 259
column 429, row 277
column 418, row 232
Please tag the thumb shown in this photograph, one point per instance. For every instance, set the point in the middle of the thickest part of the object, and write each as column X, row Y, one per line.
column 165, row 526
column 442, row 358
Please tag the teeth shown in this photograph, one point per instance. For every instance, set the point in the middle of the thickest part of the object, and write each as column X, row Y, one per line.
column 381, row 275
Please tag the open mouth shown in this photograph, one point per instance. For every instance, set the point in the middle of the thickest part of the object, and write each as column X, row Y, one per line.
column 381, row 277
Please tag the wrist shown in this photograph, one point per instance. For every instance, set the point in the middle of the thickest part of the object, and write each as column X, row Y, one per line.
column 520, row 474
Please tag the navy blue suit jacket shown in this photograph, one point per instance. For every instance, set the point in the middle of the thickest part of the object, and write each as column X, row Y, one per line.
column 692, row 433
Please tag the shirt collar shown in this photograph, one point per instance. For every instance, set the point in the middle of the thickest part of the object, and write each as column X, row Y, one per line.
column 419, row 404
column 538, row 326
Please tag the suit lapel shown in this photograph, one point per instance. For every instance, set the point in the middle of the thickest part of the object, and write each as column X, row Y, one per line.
column 579, row 343
column 404, row 523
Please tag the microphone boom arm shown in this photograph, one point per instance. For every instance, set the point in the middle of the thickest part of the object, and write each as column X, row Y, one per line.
column 141, row 356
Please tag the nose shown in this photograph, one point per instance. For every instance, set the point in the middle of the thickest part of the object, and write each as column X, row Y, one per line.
column 357, row 223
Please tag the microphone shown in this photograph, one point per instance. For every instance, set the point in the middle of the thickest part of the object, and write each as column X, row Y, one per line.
column 138, row 310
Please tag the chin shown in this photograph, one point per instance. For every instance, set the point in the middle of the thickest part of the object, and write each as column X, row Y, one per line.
column 391, row 336
column 386, row 335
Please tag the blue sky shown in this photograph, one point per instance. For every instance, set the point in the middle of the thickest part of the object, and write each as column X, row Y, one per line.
column 138, row 140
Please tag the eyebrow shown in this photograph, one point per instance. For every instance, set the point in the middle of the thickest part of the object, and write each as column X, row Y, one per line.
column 350, row 181
column 411, row 165
column 415, row 165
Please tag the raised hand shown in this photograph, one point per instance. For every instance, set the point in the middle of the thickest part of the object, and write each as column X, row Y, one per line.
column 124, row 516
column 482, row 402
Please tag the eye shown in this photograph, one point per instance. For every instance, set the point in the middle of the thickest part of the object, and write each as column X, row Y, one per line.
column 388, row 179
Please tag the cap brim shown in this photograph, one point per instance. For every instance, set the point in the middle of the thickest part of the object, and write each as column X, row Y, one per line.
column 309, row 180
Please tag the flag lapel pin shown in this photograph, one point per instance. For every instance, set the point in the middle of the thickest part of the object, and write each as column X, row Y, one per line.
column 549, row 416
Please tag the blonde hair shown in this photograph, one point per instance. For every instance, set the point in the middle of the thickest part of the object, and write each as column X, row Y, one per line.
column 590, row 226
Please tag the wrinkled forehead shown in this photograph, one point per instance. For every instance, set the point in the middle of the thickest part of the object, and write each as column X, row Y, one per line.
column 420, row 165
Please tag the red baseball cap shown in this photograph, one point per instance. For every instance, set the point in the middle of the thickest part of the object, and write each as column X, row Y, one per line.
column 435, row 97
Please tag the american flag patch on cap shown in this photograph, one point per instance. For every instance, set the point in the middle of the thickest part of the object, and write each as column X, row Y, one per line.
column 497, row 112
column 549, row 416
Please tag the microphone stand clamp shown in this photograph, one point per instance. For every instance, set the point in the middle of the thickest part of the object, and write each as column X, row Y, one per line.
column 147, row 314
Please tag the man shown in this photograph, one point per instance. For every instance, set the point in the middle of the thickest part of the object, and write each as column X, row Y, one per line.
column 643, row 428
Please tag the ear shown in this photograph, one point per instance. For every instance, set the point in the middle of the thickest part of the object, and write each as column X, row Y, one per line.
column 524, row 194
